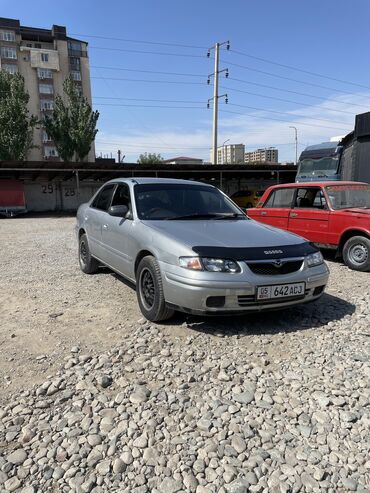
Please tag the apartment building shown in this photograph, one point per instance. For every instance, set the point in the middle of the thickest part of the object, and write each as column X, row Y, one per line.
column 45, row 58
column 266, row 155
column 230, row 154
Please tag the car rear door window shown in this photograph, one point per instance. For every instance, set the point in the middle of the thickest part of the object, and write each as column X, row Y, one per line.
column 103, row 199
column 280, row 198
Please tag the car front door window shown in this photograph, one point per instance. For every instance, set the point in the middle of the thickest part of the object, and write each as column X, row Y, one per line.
column 103, row 199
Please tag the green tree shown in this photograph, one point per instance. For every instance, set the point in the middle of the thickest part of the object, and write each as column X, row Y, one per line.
column 72, row 124
column 16, row 124
column 150, row 158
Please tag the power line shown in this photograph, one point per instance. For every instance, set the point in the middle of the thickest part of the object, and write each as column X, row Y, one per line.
column 290, row 67
column 179, row 45
column 152, row 100
column 286, row 90
column 290, row 101
column 289, row 78
column 138, row 146
column 152, row 106
column 150, row 80
column 279, row 120
column 148, row 71
column 187, row 55
column 284, row 113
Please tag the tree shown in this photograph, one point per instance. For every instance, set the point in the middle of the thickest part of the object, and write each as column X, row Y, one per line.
column 150, row 158
column 72, row 124
column 16, row 124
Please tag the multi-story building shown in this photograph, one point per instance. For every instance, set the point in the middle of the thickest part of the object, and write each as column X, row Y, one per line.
column 266, row 155
column 230, row 154
column 45, row 58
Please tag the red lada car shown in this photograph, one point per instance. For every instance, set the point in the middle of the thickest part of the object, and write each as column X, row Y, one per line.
column 332, row 214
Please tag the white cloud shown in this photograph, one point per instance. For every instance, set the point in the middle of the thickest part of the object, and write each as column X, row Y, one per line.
column 248, row 128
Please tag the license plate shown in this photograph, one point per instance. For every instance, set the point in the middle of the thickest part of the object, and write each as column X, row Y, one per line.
column 280, row 291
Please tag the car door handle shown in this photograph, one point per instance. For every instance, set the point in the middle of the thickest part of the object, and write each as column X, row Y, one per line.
column 293, row 214
column 263, row 213
column 105, row 226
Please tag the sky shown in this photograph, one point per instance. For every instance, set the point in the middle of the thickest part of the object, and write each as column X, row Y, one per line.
column 290, row 63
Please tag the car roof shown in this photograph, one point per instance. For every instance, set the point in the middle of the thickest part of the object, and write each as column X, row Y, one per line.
column 317, row 184
column 146, row 181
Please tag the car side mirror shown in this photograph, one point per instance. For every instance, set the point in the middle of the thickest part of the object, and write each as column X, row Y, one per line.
column 118, row 210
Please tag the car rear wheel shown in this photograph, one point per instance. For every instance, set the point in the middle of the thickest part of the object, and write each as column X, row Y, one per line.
column 356, row 253
column 149, row 290
column 88, row 264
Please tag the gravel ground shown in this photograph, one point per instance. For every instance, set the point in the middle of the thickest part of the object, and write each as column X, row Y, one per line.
column 95, row 399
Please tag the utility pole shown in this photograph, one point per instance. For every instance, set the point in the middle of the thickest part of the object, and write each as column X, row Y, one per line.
column 216, row 95
column 296, row 144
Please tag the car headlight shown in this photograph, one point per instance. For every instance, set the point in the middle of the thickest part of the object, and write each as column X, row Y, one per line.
column 314, row 259
column 209, row 264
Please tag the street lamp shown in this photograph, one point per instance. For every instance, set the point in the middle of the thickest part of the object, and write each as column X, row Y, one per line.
column 223, row 149
column 296, row 144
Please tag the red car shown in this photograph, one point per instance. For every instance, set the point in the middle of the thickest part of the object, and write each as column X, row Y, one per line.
column 332, row 214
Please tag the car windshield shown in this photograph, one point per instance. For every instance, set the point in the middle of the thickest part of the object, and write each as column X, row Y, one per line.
column 349, row 196
column 323, row 166
column 161, row 201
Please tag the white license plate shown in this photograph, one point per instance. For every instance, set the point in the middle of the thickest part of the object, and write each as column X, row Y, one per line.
column 281, row 291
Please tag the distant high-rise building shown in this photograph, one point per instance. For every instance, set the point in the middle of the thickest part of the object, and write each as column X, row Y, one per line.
column 45, row 58
column 230, row 154
column 266, row 155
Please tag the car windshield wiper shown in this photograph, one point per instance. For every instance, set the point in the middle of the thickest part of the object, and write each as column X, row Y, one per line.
column 215, row 215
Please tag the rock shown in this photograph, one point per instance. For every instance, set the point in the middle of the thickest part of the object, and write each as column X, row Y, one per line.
column 103, row 467
column 349, row 484
column 170, row 485
column 118, row 466
column 105, row 381
column 127, row 458
column 141, row 394
column 12, row 484
column 141, row 442
column 238, row 486
column 17, row 457
column 238, row 443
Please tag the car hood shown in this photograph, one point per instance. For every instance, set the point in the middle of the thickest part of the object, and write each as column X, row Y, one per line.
column 240, row 234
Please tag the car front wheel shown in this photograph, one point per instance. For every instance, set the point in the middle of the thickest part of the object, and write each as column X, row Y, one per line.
column 88, row 264
column 356, row 253
column 149, row 290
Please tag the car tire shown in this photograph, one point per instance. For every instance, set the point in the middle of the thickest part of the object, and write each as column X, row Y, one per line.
column 88, row 264
column 149, row 291
column 356, row 253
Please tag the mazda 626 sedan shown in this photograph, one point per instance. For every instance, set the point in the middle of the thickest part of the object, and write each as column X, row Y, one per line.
column 188, row 247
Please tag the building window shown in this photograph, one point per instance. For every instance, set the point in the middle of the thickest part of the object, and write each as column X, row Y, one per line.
column 75, row 63
column 44, row 73
column 10, row 68
column 46, row 137
column 47, row 105
column 7, row 35
column 45, row 57
column 46, row 89
column 29, row 45
column 8, row 52
column 50, row 152
column 76, row 75
column 38, row 45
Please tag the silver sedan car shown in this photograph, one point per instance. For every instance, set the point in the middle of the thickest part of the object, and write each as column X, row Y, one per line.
column 188, row 247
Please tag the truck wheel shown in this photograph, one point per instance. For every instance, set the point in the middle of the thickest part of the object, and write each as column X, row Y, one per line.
column 356, row 253
column 149, row 291
column 88, row 264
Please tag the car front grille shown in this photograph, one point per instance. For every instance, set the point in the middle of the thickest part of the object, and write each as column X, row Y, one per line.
column 273, row 269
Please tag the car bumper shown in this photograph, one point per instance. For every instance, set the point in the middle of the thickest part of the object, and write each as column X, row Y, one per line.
column 193, row 292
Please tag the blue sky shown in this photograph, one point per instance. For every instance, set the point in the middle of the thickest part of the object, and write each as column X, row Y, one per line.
column 316, row 36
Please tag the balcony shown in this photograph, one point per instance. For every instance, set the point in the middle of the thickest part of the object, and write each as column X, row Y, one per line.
column 77, row 53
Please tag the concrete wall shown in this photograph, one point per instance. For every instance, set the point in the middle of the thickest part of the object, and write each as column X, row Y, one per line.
column 44, row 196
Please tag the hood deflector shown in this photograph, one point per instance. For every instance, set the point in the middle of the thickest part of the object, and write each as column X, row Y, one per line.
column 256, row 253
